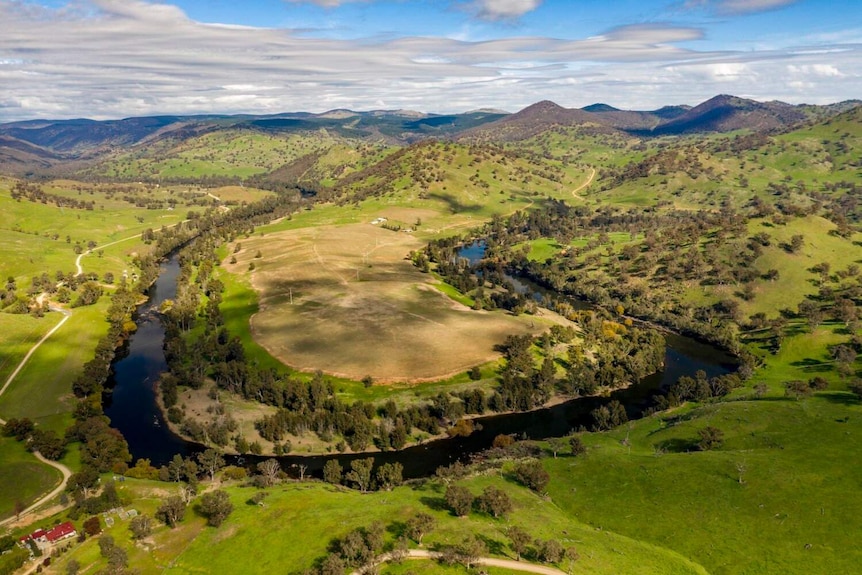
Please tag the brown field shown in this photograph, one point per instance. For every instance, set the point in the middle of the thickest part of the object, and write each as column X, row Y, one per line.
column 359, row 307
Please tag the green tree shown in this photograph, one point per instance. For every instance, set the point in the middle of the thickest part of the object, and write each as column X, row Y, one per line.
column 332, row 472
column 141, row 526
column 494, row 501
column 459, row 499
column 550, row 551
column 577, row 445
column 418, row 526
column 531, row 474
column 389, row 475
column 171, row 511
column 519, row 540
column 710, row 438
column 216, row 506
column 360, row 473
column 210, row 461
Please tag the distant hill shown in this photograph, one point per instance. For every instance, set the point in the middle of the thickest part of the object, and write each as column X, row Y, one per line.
column 533, row 120
column 20, row 157
column 729, row 113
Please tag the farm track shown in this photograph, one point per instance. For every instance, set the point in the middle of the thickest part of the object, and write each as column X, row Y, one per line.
column 485, row 561
column 589, row 181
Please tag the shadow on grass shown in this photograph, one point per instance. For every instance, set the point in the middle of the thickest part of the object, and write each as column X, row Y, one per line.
column 494, row 546
column 397, row 529
column 811, row 365
column 435, row 503
column 677, row 445
column 842, row 398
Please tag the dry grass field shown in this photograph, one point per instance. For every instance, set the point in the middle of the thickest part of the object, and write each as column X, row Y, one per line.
column 346, row 300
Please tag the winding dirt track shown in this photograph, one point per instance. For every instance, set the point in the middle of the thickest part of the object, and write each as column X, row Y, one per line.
column 585, row 184
column 45, row 498
column 486, row 561
column 14, row 374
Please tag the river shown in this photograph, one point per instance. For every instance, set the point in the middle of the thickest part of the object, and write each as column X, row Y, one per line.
column 133, row 410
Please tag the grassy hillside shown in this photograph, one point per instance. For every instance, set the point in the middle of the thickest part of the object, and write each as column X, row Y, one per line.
column 297, row 522
column 779, row 487
column 229, row 153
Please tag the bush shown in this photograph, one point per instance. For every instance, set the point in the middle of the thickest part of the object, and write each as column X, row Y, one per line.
column 531, row 474
column 216, row 506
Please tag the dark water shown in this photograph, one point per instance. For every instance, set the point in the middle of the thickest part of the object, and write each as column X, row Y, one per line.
column 134, row 412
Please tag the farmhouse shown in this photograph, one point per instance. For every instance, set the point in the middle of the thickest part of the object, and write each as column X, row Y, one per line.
column 43, row 538
column 39, row 536
column 60, row 532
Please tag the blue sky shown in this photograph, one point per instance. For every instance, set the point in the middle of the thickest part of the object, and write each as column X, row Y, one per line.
column 118, row 58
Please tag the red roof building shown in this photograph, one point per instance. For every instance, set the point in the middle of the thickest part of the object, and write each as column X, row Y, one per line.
column 60, row 532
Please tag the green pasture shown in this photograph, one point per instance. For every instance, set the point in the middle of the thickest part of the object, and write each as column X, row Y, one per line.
column 33, row 238
column 42, row 391
column 18, row 465
column 309, row 516
column 18, row 334
column 781, row 488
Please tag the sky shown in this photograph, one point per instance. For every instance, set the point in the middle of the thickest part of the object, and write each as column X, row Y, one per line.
column 106, row 59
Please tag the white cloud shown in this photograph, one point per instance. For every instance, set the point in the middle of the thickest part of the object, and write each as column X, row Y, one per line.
column 733, row 7
column 503, row 9
column 113, row 58
column 746, row 6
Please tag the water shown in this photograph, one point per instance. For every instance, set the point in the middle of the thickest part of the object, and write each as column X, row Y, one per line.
column 133, row 410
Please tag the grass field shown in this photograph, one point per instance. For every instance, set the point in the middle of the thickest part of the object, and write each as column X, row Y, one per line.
column 34, row 235
column 347, row 301
column 43, row 389
column 298, row 521
column 19, row 334
column 22, row 477
column 791, row 513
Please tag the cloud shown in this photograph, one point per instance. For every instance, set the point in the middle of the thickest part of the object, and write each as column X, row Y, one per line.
column 503, row 9
column 734, row 7
column 120, row 58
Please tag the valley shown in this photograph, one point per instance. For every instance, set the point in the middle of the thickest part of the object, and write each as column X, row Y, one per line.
column 325, row 315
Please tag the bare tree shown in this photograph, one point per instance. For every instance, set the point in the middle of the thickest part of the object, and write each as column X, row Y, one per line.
column 269, row 469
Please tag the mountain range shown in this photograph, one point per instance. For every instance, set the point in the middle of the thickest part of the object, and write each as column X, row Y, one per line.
column 39, row 144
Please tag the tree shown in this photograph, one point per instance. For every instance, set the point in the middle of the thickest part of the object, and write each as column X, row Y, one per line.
column 389, row 475
column 556, row 444
column 171, row 511
column 360, row 473
column 83, row 481
column 519, row 540
column 845, row 357
column 459, row 499
column 332, row 564
column 269, row 470
column 532, row 475
column 216, row 506
column 467, row 552
column 106, row 544
column 419, row 526
column 72, row 567
column 577, row 445
column 48, row 443
column 20, row 429
column 141, row 526
column 550, row 551
column 332, row 472
column 710, row 438
column 19, row 508
column 494, row 501
column 92, row 526
column 210, row 461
